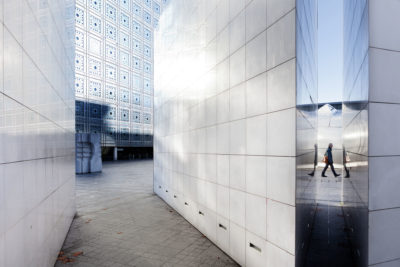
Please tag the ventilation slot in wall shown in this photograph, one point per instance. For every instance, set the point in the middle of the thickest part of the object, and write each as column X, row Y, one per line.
column 255, row 247
column 222, row 226
column 201, row 213
column 187, row 204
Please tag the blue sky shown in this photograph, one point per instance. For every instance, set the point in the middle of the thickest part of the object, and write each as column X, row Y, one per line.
column 330, row 50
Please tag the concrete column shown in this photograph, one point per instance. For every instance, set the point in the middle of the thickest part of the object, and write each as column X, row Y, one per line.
column 115, row 153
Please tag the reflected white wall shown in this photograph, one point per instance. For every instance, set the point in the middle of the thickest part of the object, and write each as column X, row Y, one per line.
column 36, row 130
column 225, row 123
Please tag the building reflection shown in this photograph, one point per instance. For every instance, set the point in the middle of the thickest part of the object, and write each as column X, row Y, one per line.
column 331, row 213
column 330, row 208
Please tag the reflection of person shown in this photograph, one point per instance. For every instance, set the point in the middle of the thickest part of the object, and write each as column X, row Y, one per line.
column 329, row 161
column 346, row 159
column 315, row 159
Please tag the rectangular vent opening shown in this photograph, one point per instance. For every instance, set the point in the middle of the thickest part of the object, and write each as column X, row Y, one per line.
column 222, row 226
column 255, row 247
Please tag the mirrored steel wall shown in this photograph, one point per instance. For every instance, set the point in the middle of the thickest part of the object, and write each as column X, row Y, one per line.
column 332, row 212
column 306, row 123
column 355, row 127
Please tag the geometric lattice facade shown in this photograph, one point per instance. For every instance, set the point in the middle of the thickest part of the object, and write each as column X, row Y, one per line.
column 114, row 69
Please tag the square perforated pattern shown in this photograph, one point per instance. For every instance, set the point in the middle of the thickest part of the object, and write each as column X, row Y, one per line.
column 114, row 68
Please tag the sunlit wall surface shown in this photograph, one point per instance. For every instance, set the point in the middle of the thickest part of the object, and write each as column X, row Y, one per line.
column 37, row 134
column 114, row 69
column 225, row 123
column 355, row 124
column 384, row 132
column 306, row 122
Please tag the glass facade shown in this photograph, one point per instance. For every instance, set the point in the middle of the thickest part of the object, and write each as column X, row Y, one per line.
column 114, row 69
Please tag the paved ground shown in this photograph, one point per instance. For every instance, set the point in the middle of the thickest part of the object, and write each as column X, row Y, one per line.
column 120, row 222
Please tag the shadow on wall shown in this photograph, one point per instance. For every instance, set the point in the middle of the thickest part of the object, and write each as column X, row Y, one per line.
column 125, row 131
column 127, row 153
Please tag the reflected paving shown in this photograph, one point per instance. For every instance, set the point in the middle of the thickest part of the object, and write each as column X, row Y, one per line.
column 330, row 200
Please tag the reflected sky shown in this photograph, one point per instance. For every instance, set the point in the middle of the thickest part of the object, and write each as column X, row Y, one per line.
column 330, row 50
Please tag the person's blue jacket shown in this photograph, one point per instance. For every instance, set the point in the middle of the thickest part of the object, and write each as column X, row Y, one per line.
column 329, row 152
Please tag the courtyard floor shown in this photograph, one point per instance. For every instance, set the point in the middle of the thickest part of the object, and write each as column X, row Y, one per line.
column 121, row 222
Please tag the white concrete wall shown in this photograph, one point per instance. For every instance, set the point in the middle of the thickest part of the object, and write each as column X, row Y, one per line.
column 384, row 132
column 225, row 123
column 36, row 130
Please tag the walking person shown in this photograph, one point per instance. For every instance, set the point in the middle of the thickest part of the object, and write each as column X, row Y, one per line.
column 328, row 159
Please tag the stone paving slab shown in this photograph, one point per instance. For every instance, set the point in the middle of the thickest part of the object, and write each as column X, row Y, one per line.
column 121, row 222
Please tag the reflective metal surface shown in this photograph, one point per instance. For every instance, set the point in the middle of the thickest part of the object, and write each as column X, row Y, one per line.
column 307, row 126
column 330, row 131
column 355, row 125
column 331, row 213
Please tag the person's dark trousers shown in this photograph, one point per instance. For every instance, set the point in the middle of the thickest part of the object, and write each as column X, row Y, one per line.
column 332, row 168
